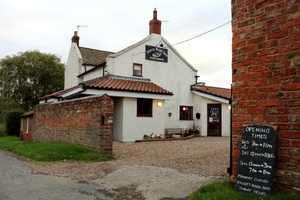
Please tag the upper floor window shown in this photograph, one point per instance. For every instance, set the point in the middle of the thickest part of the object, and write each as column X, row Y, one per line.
column 144, row 107
column 186, row 112
column 137, row 69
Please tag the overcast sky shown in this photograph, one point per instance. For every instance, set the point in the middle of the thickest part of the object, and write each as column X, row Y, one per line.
column 48, row 25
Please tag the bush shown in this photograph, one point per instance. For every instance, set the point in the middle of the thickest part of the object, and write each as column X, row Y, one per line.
column 2, row 130
column 12, row 123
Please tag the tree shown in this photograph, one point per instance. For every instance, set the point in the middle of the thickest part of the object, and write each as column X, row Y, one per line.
column 7, row 104
column 30, row 75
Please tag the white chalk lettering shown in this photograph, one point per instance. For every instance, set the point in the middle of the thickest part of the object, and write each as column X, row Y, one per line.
column 266, row 188
column 243, row 163
column 259, row 192
column 244, row 189
column 243, row 183
column 258, row 129
column 261, row 180
column 265, row 155
column 259, row 136
column 245, row 177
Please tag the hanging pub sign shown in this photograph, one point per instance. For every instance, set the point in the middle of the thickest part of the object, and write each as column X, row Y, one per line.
column 156, row 54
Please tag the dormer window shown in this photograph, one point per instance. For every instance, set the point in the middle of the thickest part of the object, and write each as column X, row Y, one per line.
column 137, row 69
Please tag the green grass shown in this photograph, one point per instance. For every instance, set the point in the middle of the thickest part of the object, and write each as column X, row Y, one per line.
column 50, row 151
column 224, row 190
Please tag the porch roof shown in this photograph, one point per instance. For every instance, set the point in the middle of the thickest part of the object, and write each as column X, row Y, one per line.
column 215, row 91
column 111, row 83
column 123, row 83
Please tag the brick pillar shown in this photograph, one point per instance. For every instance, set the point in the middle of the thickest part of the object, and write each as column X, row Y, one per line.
column 155, row 24
column 266, row 79
column 75, row 38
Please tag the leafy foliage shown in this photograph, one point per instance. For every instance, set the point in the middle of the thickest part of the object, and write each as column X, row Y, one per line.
column 29, row 75
column 51, row 151
column 12, row 123
column 2, row 130
column 7, row 104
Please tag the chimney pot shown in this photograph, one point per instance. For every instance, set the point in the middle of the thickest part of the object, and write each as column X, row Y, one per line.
column 75, row 38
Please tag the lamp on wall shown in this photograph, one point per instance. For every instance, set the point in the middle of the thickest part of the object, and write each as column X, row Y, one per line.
column 198, row 115
column 159, row 104
column 229, row 107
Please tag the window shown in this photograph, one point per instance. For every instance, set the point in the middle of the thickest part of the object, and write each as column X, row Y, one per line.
column 186, row 112
column 137, row 69
column 21, row 124
column 27, row 125
column 144, row 107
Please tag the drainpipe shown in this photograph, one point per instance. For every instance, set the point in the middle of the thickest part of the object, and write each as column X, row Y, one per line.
column 229, row 169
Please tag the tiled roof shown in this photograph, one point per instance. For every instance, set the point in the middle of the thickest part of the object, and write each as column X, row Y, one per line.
column 216, row 91
column 93, row 57
column 56, row 94
column 130, row 84
column 29, row 113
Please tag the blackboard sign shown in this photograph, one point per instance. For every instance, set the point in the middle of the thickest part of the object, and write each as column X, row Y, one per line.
column 257, row 159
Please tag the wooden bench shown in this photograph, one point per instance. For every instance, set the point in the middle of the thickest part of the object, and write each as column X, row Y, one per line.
column 169, row 132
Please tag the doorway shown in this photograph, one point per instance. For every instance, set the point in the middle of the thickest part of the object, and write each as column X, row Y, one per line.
column 214, row 120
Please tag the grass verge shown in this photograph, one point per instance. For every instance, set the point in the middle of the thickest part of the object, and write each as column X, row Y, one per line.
column 223, row 190
column 50, row 151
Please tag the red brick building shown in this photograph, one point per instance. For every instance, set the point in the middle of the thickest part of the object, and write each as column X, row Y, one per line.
column 266, row 79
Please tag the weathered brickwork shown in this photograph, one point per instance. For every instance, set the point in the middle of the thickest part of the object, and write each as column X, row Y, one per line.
column 86, row 122
column 266, row 79
column 26, row 128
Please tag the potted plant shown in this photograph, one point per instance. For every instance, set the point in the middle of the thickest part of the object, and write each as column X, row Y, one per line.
column 192, row 130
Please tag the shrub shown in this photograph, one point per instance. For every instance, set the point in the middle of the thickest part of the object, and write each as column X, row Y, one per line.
column 12, row 122
column 2, row 130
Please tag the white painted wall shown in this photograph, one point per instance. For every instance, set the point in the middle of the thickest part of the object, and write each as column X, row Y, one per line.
column 201, row 104
column 95, row 74
column 134, row 128
column 73, row 67
column 118, row 119
column 175, row 75
column 225, row 120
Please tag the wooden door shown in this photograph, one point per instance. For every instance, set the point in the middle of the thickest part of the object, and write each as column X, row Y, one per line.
column 214, row 120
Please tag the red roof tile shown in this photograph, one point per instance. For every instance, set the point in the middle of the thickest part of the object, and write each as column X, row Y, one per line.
column 29, row 113
column 126, row 84
column 216, row 91
column 61, row 92
column 93, row 57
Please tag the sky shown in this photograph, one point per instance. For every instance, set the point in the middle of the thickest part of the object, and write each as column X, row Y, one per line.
column 48, row 25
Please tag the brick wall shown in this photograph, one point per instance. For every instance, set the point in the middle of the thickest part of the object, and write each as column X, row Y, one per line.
column 86, row 122
column 266, row 79
column 26, row 128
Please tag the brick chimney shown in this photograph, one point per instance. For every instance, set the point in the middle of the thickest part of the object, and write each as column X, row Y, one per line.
column 75, row 38
column 155, row 24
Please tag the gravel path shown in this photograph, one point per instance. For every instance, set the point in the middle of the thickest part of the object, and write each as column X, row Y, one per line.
column 204, row 156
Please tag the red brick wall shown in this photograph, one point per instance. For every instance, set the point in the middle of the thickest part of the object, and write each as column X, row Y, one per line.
column 25, row 133
column 87, row 122
column 266, row 78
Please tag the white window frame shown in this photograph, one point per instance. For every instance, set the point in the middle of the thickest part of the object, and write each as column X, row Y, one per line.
column 27, row 125
column 21, row 128
column 140, row 70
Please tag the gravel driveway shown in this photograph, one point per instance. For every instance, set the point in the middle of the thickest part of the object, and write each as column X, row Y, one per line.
column 151, row 170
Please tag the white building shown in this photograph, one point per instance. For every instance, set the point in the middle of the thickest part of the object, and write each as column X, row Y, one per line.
column 152, row 85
